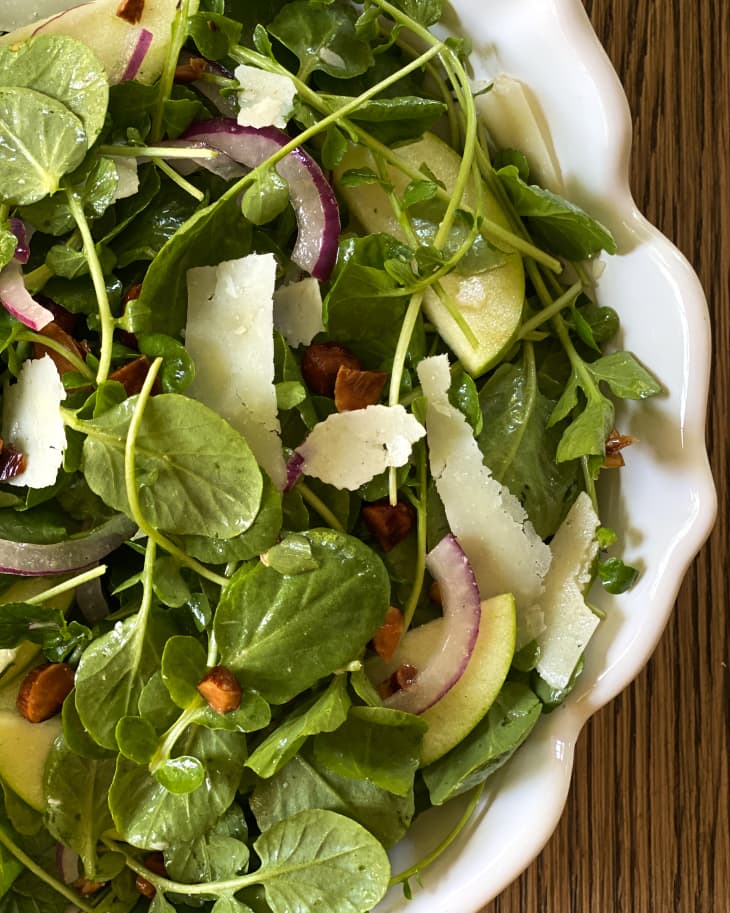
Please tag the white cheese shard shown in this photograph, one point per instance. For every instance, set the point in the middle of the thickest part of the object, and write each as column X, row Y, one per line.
column 265, row 99
column 491, row 525
column 127, row 176
column 348, row 449
column 569, row 622
column 298, row 311
column 33, row 424
column 229, row 335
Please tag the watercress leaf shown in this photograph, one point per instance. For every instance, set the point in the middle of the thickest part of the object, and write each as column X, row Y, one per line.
column 555, row 223
column 504, row 157
column 290, row 394
column 322, row 714
column 66, row 70
column 128, row 208
column 334, row 147
column 149, row 816
column 8, row 244
column 490, row 744
column 321, row 859
column 155, row 703
column 394, row 120
column 113, row 671
column 261, row 535
column 616, row 576
column 181, row 775
column 219, row 854
column 160, row 904
column 23, row 819
column 22, row 621
column 322, row 37
column 376, row 744
column 183, row 666
column 196, row 475
column 78, row 296
column 230, row 905
column 425, row 12
column 586, row 435
column 356, row 177
column 463, row 395
column 178, row 369
column 293, row 555
column 180, row 110
column 519, row 447
column 303, row 784
column 214, row 35
column 418, row 192
column 40, row 142
column 340, row 605
column 252, row 714
column 75, row 736
column 567, row 402
column 136, row 738
column 72, row 783
column 266, row 197
column 169, row 584
column 625, row 376
column 69, row 263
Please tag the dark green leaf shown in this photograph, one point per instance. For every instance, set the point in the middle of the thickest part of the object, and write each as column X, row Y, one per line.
column 214, row 35
column 293, row 555
column 625, row 376
column 183, row 666
column 136, row 738
column 181, row 775
column 616, row 576
column 266, row 198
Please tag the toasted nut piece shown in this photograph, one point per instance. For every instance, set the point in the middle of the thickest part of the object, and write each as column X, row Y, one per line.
column 616, row 441
column 55, row 332
column 155, row 862
column 388, row 635
column 401, row 680
column 131, row 10
column 221, row 690
column 191, row 70
column 12, row 462
column 613, row 461
column 389, row 523
column 356, row 389
column 133, row 292
column 43, row 691
column 133, row 375
column 320, row 365
column 86, row 888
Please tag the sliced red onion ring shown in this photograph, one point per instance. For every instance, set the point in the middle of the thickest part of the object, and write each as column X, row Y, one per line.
column 67, row 863
column 450, row 568
column 32, row 560
column 293, row 470
column 140, row 41
column 17, row 300
column 22, row 232
column 314, row 202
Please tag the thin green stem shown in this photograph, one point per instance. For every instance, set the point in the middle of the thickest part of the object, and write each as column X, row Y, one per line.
column 50, row 343
column 168, row 152
column 319, row 506
column 36, row 279
column 195, row 192
column 37, row 870
column 179, row 32
column 169, row 738
column 445, row 843
column 67, row 585
column 421, row 523
column 106, row 319
column 547, row 313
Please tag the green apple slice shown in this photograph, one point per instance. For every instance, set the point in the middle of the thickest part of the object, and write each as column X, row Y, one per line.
column 24, row 748
column 490, row 302
column 454, row 715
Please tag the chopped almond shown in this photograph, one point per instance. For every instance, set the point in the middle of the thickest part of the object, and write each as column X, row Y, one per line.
column 320, row 365
column 86, row 888
column 12, row 462
column 191, row 70
column 155, row 862
column 133, row 375
column 131, row 10
column 616, row 441
column 613, row 461
column 55, row 332
column 388, row 635
column 221, row 689
column 43, row 691
column 401, row 680
column 389, row 523
column 357, row 389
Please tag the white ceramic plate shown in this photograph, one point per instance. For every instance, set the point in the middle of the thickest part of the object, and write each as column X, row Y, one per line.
column 665, row 503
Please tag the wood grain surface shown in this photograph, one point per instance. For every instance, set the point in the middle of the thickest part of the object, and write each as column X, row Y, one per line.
column 647, row 824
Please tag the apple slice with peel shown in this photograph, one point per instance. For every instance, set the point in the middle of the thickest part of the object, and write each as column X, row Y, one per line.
column 455, row 714
column 24, row 748
column 491, row 301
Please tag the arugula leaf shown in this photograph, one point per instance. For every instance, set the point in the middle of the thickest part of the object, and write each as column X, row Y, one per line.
column 214, row 35
column 625, row 376
column 425, row 12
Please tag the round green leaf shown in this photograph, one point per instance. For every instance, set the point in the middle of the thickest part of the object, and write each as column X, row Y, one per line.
column 40, row 141
column 136, row 738
column 181, row 775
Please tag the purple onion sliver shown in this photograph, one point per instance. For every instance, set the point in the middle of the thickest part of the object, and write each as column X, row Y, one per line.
column 67, row 863
column 17, row 300
column 22, row 250
column 33, row 560
column 293, row 470
column 139, row 52
column 91, row 601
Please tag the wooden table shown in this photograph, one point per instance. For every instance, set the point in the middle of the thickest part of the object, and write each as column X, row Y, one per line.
column 647, row 825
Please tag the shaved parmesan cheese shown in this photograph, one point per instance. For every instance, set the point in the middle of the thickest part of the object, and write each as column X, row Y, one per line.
column 515, row 122
column 229, row 334
column 298, row 311
column 32, row 422
column 491, row 525
column 265, row 99
column 348, row 449
column 569, row 621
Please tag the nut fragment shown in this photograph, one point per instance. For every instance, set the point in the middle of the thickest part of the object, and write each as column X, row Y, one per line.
column 155, row 862
column 389, row 523
column 43, row 691
column 131, row 10
column 221, row 690
column 133, row 375
column 401, row 680
column 320, row 365
column 615, row 443
column 12, row 462
column 55, row 332
column 192, row 70
column 86, row 888
column 357, row 389
column 388, row 635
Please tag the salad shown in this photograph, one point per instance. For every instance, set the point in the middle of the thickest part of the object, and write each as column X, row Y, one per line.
column 306, row 395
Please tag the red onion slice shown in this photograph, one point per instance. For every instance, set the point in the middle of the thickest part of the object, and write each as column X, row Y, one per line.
column 450, row 568
column 314, row 202
column 67, row 863
column 29, row 559
column 17, row 300
column 293, row 470
column 140, row 42
column 22, row 232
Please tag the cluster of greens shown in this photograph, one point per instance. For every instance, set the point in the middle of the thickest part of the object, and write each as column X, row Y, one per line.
column 288, row 802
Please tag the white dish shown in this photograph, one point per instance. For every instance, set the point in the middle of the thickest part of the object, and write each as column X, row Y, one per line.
column 665, row 503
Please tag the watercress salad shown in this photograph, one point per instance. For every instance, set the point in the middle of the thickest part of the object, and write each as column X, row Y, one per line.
column 305, row 400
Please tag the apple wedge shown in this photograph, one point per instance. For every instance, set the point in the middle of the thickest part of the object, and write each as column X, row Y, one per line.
column 491, row 301
column 24, row 748
column 455, row 714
